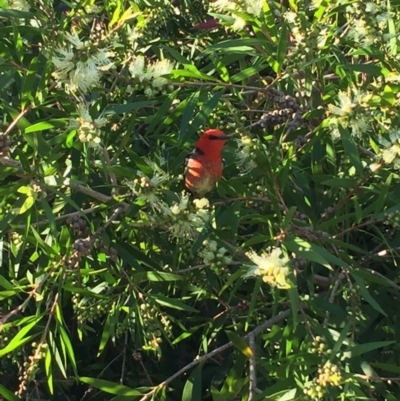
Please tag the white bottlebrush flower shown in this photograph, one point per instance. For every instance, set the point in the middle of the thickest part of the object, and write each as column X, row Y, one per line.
column 290, row 16
column 346, row 103
column 382, row 18
column 360, row 124
column 89, row 129
column 20, row 5
column 79, row 65
column 390, row 154
column 152, row 73
column 185, row 224
column 214, row 256
column 238, row 24
column 145, row 189
column 233, row 8
column 272, row 268
column 162, row 67
column 254, row 7
column 371, row 7
column 183, row 228
column 368, row 40
column 136, row 68
column 202, row 203
column 245, row 157
column 73, row 38
column 358, row 30
column 149, row 92
column 223, row 5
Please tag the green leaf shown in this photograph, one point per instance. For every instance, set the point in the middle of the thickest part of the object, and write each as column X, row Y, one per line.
column 5, row 283
column 110, row 387
column 351, row 150
column 155, row 276
column 342, row 182
column 28, row 203
column 247, row 73
column 15, row 14
column 7, row 294
column 205, row 112
column 128, row 107
column 386, row 367
column 193, row 386
column 243, row 45
column 107, row 331
column 44, row 126
column 282, row 48
column 125, row 172
column 240, row 344
column 191, row 71
column 187, row 116
column 366, row 294
column 371, row 69
column 8, row 395
column 340, row 340
column 20, row 338
column 363, row 348
column 314, row 253
column 173, row 303
column 69, row 348
column 49, row 371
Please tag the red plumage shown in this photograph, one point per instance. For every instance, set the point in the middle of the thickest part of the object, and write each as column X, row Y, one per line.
column 204, row 165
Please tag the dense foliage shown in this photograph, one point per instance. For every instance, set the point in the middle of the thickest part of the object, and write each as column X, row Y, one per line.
column 115, row 284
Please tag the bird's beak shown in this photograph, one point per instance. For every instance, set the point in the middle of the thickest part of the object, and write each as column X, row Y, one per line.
column 225, row 137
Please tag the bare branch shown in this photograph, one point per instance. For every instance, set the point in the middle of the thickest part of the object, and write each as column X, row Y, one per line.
column 269, row 323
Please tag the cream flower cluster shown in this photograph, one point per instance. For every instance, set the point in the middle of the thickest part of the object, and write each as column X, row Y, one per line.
column 246, row 155
column 89, row 129
column 213, row 256
column 153, row 73
column 352, row 112
column 367, row 25
column 232, row 8
column 21, row 5
column 271, row 267
column 186, row 222
column 391, row 153
column 79, row 65
column 146, row 188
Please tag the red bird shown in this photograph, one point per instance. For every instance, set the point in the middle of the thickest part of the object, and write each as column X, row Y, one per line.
column 204, row 165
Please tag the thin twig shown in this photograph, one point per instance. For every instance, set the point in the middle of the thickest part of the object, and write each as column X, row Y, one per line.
column 367, row 223
column 90, row 192
column 121, row 380
column 35, row 290
column 16, row 119
column 200, row 267
column 5, row 318
column 244, row 93
column 352, row 192
column 253, row 389
column 332, row 295
column 283, row 315
column 7, row 161
column 113, row 177
column 64, row 216
column 118, row 210
column 392, row 283
column 366, row 152
column 378, row 378
column 223, row 84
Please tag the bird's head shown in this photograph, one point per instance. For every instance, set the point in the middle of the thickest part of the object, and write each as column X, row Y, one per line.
column 212, row 141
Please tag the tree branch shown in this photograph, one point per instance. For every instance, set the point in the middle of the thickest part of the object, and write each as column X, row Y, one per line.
column 269, row 323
